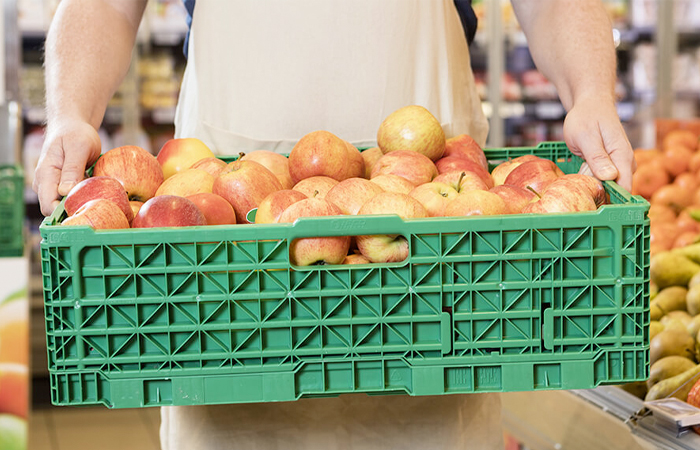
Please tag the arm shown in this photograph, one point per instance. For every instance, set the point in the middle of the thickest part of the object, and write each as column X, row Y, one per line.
column 572, row 45
column 88, row 52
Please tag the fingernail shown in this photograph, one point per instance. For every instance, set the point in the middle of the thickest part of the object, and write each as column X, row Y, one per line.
column 65, row 187
column 608, row 172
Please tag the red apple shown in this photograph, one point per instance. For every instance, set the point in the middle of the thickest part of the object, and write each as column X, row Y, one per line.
column 211, row 165
column 181, row 153
column 216, row 210
column 371, row 156
column 135, row 206
column 272, row 206
column 462, row 181
column 463, row 146
column 501, row 171
column 535, row 174
column 136, row 169
column 315, row 187
column 274, row 162
column 355, row 162
column 413, row 166
column 315, row 250
column 434, row 196
column 562, row 196
column 321, row 153
column 412, row 128
column 187, row 182
column 168, row 211
column 356, row 258
column 100, row 214
column 455, row 163
column 476, row 203
column 94, row 188
column 592, row 184
column 349, row 195
column 393, row 183
column 388, row 247
column 516, row 198
column 244, row 184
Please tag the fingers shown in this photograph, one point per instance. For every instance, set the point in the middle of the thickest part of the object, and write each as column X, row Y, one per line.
column 591, row 146
column 46, row 178
column 623, row 158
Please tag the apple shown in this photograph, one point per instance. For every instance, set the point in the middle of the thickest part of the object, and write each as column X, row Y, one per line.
column 315, row 250
column 674, row 196
column 274, row 162
column 181, row 153
column 476, row 203
column 216, row 210
column 464, row 146
column 94, row 188
column 100, row 214
column 315, row 187
column 135, row 205
column 371, row 156
column 244, row 184
column 593, row 185
column 211, row 165
column 389, row 247
column 187, row 182
column 462, row 181
column 321, row 153
column 455, row 163
column 168, row 211
column 349, row 195
column 136, row 169
column 412, row 128
column 535, row 174
column 516, row 198
column 562, row 196
column 356, row 258
column 501, row 171
column 272, row 206
column 434, row 196
column 413, row 166
column 393, row 183
column 648, row 179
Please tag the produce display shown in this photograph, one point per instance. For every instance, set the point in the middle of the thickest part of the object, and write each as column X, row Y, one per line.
column 415, row 172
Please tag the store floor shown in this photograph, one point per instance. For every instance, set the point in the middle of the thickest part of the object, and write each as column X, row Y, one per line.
column 58, row 428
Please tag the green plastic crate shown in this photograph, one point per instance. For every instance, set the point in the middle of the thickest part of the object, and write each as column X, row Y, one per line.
column 11, row 211
column 211, row 315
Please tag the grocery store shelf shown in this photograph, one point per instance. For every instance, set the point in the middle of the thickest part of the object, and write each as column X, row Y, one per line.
column 547, row 110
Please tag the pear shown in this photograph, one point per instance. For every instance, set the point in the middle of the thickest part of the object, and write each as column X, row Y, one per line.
column 671, row 342
column 671, row 298
column 694, row 326
column 636, row 388
column 654, row 289
column 694, row 280
column 668, row 367
column 677, row 386
column 671, row 269
column 681, row 316
column 691, row 252
column 655, row 327
column 675, row 324
column 655, row 312
column 692, row 300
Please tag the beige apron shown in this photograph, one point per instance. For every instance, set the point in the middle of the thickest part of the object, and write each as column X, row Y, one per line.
column 260, row 75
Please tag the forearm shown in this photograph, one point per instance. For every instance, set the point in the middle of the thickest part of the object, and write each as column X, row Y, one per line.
column 571, row 43
column 88, row 52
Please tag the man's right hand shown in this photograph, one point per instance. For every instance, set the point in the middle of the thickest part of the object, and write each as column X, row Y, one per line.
column 68, row 149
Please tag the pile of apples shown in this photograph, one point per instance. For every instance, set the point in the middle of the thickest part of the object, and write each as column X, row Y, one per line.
column 414, row 172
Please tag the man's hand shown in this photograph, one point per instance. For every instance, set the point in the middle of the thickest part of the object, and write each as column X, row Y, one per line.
column 68, row 149
column 592, row 129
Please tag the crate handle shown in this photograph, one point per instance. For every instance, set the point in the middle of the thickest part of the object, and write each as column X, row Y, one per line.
column 346, row 226
column 548, row 329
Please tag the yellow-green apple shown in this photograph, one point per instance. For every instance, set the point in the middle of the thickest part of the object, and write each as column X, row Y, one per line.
column 211, row 165
column 244, row 184
column 276, row 163
column 349, row 195
column 272, row 206
column 562, row 196
column 393, row 183
column 501, row 171
column 413, row 166
column 456, row 163
column 462, row 181
column 180, row 153
column 476, row 203
column 321, row 153
column 434, row 196
column 592, row 184
column 100, row 214
column 388, row 247
column 168, row 211
column 535, row 174
column 14, row 430
column 464, row 146
column 136, row 169
column 516, row 198
column 412, row 128
column 371, row 156
column 355, row 162
column 135, row 206
column 98, row 187
column 316, row 186
column 216, row 210
column 356, row 258
column 187, row 182
column 315, row 250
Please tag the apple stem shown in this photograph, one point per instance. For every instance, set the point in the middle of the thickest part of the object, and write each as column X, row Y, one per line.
column 241, row 155
column 461, row 177
column 534, row 191
column 315, row 193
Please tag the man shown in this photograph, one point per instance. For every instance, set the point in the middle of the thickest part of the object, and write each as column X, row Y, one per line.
column 261, row 74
